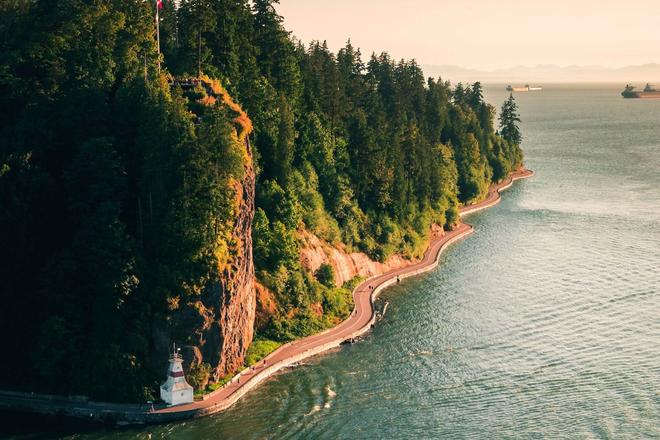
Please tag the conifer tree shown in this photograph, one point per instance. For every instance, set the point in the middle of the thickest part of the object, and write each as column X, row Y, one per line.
column 509, row 120
column 196, row 21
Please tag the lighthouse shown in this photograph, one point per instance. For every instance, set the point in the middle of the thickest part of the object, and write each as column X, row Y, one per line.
column 175, row 390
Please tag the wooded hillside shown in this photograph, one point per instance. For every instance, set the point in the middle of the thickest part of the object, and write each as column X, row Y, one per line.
column 119, row 189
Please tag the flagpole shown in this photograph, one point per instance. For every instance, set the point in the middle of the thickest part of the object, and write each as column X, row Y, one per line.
column 158, row 35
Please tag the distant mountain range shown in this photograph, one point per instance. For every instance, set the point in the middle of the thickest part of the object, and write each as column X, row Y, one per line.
column 548, row 73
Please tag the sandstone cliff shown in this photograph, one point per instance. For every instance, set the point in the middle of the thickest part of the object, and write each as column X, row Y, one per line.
column 347, row 265
column 219, row 327
column 233, row 299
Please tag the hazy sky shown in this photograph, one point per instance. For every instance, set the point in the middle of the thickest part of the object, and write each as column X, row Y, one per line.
column 486, row 34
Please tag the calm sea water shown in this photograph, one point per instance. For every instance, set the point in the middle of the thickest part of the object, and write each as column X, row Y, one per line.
column 544, row 324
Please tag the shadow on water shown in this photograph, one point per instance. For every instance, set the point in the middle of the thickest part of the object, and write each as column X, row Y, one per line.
column 25, row 426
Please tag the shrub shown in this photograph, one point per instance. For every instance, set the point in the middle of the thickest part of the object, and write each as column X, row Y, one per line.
column 325, row 275
column 353, row 282
column 337, row 303
column 259, row 349
column 198, row 376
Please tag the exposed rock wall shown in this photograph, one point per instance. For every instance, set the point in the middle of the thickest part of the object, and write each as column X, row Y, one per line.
column 347, row 265
column 237, row 296
column 219, row 327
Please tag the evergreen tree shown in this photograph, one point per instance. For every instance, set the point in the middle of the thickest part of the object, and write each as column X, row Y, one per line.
column 509, row 120
column 197, row 20
column 283, row 157
column 276, row 53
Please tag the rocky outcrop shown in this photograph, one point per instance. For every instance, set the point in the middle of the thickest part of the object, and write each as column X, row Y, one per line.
column 234, row 296
column 347, row 265
column 218, row 327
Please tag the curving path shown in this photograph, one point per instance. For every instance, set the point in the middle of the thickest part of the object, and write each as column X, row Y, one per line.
column 358, row 323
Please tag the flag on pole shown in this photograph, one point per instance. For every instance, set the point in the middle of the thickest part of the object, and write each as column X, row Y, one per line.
column 159, row 3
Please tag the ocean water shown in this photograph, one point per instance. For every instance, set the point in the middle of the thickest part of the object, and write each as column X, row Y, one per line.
column 543, row 324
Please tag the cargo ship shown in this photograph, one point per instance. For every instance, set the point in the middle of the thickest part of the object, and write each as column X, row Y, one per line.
column 648, row 92
column 526, row 88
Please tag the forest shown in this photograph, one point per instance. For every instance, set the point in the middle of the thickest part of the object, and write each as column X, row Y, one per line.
column 119, row 188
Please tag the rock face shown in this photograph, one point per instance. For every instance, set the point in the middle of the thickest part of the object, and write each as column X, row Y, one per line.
column 219, row 327
column 347, row 265
column 236, row 297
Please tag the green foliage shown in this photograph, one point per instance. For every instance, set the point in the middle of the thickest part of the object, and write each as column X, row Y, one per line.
column 192, row 33
column 118, row 194
column 338, row 303
column 353, row 282
column 198, row 376
column 304, row 323
column 325, row 275
column 279, row 204
column 221, row 383
column 285, row 248
column 304, row 187
column 259, row 349
column 509, row 120
column 261, row 239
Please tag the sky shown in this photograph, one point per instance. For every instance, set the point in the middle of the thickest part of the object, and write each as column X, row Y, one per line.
column 486, row 34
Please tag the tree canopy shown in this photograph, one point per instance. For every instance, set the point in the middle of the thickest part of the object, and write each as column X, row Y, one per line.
column 118, row 189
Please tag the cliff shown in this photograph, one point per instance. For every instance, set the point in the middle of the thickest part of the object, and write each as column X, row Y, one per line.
column 219, row 326
column 347, row 265
column 223, row 318
column 235, row 296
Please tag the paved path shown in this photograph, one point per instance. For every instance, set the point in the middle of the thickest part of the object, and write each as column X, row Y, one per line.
column 358, row 323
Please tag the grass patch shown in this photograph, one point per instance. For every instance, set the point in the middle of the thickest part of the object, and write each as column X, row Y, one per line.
column 259, row 349
column 217, row 385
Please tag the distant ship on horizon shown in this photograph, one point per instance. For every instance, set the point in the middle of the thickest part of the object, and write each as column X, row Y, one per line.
column 526, row 88
column 648, row 92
